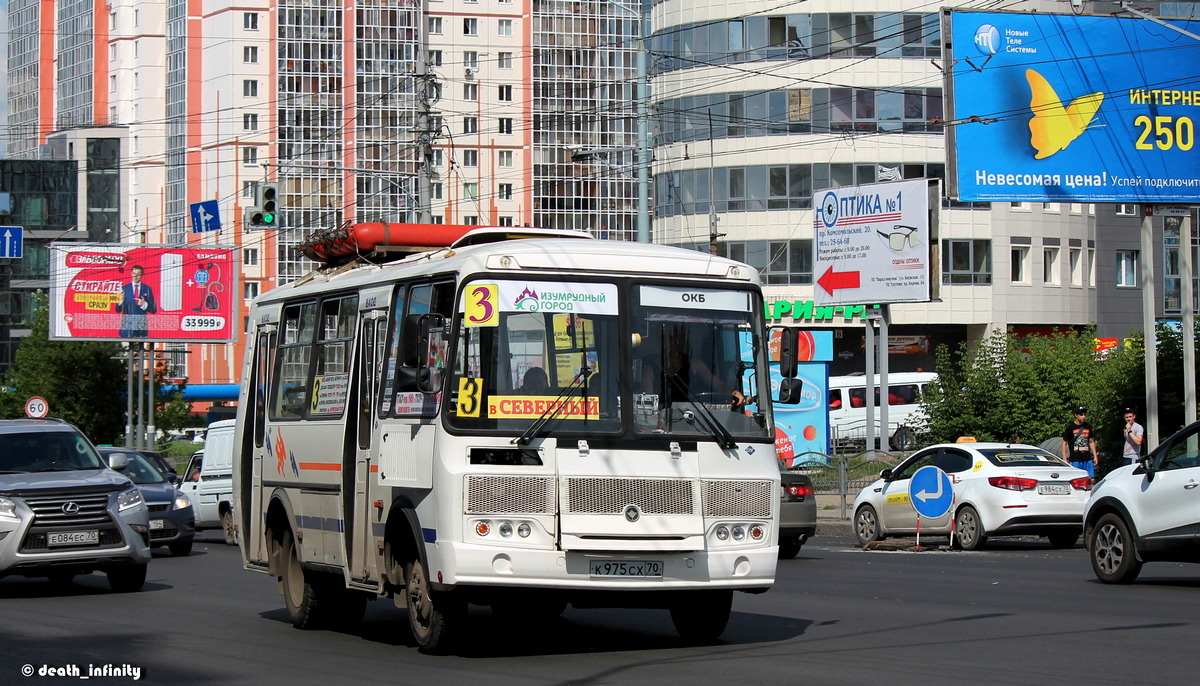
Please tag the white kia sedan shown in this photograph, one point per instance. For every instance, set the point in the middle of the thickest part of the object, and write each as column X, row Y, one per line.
column 999, row 490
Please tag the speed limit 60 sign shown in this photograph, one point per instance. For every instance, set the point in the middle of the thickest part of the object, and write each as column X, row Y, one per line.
column 36, row 407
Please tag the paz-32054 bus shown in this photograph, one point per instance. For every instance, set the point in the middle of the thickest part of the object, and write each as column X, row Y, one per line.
column 521, row 423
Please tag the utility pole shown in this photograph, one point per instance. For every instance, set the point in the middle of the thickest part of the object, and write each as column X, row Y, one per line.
column 425, row 136
column 712, row 197
column 643, row 131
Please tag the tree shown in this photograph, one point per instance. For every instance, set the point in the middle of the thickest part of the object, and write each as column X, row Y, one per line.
column 81, row 381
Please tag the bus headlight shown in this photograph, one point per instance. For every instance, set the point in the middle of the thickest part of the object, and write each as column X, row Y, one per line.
column 506, row 529
column 722, row 533
column 739, row 533
column 523, row 530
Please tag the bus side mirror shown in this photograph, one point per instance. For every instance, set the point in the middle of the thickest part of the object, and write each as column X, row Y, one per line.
column 422, row 352
column 790, row 391
column 789, row 350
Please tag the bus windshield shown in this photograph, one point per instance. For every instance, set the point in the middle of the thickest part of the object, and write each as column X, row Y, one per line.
column 539, row 357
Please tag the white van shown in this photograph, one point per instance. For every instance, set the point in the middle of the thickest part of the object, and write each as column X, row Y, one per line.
column 208, row 480
column 848, row 409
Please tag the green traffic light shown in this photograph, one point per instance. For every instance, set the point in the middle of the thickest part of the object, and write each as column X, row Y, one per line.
column 268, row 218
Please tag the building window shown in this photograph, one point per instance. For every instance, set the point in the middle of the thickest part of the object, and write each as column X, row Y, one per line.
column 471, row 59
column 506, row 158
column 471, row 220
column 1019, row 206
column 438, row 158
column 435, row 58
column 505, row 27
column 967, row 261
column 1051, row 208
column 1127, row 268
column 506, row 221
column 470, row 26
column 470, row 158
column 470, row 125
column 435, row 26
column 1050, row 266
column 249, row 155
column 505, row 191
column 1020, row 265
column 1127, row 210
column 1172, row 265
column 112, row 83
column 250, row 21
column 1075, row 255
column 470, row 91
column 470, row 191
column 1091, row 267
column 506, row 125
column 780, row 262
column 250, row 88
column 250, row 257
column 250, row 289
column 249, row 122
column 248, row 188
column 504, row 60
column 506, row 93
column 250, row 54
column 1076, row 208
column 435, row 191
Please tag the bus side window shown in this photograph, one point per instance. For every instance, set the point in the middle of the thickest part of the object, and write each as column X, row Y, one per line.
column 290, row 394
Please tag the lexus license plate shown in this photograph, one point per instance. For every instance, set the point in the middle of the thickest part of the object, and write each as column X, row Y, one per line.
column 73, row 538
column 1054, row 489
column 628, row 569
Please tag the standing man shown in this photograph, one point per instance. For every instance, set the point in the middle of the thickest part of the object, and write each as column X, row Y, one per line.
column 137, row 300
column 1134, row 436
column 1079, row 443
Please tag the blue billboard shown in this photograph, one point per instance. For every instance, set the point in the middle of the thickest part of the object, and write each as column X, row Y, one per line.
column 1045, row 107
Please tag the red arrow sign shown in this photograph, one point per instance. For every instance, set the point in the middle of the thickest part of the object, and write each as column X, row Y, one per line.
column 832, row 280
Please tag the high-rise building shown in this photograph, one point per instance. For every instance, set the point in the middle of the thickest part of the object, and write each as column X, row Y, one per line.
column 484, row 112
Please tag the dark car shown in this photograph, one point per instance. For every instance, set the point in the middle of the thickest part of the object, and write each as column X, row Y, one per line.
column 797, row 512
column 161, row 463
column 172, row 518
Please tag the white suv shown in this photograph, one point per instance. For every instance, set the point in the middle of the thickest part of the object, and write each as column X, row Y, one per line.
column 1148, row 512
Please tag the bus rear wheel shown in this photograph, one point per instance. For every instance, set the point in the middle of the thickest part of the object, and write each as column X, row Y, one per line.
column 435, row 617
column 700, row 617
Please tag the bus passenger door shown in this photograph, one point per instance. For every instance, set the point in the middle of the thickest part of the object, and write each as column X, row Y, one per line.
column 362, row 517
column 252, row 514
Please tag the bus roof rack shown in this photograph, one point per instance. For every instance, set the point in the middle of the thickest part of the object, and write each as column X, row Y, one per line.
column 384, row 242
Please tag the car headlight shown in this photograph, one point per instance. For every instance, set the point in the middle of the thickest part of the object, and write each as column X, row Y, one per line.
column 181, row 502
column 8, row 507
column 128, row 499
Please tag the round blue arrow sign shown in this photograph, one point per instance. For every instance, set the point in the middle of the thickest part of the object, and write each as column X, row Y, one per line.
column 931, row 492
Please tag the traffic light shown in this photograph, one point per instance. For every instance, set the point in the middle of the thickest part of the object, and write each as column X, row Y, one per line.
column 265, row 213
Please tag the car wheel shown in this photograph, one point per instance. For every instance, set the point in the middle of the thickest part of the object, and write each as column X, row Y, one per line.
column 227, row 528
column 789, row 549
column 701, row 616
column 866, row 525
column 969, row 529
column 180, row 548
column 434, row 617
column 127, row 579
column 1063, row 539
column 1114, row 559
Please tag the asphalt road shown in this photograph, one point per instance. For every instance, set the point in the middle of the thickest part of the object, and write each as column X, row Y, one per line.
column 1016, row 613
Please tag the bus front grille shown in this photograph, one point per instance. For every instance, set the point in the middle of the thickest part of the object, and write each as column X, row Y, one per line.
column 509, row 495
column 738, row 498
column 600, row 495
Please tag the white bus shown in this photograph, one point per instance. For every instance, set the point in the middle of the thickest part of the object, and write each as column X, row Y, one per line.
column 516, row 423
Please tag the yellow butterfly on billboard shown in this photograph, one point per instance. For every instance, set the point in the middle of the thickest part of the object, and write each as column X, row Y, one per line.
column 1053, row 126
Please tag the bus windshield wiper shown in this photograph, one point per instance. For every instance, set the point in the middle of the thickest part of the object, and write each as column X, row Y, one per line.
column 709, row 421
column 555, row 408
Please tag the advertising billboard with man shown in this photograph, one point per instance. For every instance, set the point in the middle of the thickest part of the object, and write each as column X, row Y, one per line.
column 108, row 291
column 1046, row 107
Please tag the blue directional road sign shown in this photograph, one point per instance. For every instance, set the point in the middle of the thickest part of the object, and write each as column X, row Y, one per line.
column 12, row 242
column 931, row 492
column 205, row 216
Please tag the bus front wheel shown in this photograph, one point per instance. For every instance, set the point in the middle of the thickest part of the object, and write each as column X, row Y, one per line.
column 701, row 616
column 434, row 616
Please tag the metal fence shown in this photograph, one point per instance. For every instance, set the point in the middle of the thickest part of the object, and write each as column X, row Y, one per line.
column 844, row 474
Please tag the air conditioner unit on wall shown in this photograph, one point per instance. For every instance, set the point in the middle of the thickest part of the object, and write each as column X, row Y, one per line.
column 470, row 72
